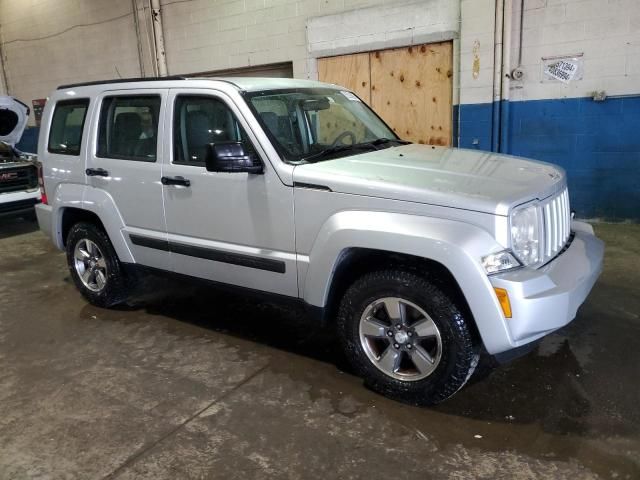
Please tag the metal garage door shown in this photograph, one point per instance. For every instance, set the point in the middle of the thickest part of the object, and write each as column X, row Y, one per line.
column 410, row 87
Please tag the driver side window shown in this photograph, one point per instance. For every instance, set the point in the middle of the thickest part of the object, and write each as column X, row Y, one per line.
column 200, row 121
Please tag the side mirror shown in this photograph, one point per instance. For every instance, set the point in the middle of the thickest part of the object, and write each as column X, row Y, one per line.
column 231, row 157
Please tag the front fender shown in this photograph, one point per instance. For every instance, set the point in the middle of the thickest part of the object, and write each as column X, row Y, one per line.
column 457, row 246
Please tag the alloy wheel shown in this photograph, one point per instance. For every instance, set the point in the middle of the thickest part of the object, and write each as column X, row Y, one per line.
column 90, row 265
column 400, row 339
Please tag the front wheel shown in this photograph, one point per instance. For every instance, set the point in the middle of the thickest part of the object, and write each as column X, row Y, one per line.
column 94, row 265
column 405, row 337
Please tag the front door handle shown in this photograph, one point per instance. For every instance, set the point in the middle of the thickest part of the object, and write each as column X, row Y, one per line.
column 96, row 172
column 176, row 181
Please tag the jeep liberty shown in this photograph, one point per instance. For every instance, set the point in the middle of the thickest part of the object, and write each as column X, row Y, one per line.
column 420, row 256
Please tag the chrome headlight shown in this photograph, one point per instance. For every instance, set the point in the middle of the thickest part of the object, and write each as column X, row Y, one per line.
column 526, row 233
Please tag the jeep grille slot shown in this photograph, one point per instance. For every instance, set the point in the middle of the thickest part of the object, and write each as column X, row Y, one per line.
column 15, row 179
column 557, row 223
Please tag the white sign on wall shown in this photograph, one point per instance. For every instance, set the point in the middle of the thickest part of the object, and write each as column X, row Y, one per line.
column 562, row 69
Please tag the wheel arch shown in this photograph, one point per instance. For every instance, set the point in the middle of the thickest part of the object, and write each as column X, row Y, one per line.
column 447, row 251
column 356, row 262
column 71, row 216
column 96, row 206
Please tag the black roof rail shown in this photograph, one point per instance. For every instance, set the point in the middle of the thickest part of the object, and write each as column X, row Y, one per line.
column 122, row 80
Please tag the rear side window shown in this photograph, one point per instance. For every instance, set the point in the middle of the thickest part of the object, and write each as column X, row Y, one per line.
column 67, row 124
column 129, row 127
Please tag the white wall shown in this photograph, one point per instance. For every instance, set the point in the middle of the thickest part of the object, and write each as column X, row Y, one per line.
column 476, row 47
column 386, row 26
column 606, row 32
column 203, row 35
column 51, row 42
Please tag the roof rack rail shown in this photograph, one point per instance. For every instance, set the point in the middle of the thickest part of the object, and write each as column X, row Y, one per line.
column 122, row 80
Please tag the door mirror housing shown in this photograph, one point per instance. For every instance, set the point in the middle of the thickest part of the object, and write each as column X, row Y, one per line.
column 232, row 157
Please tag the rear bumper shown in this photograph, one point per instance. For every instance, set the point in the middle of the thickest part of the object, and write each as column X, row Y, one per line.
column 548, row 298
column 18, row 203
column 44, row 214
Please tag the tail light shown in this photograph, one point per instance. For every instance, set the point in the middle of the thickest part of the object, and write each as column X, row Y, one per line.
column 43, row 193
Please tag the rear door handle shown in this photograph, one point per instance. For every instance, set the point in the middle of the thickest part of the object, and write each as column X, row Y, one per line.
column 96, row 172
column 176, row 181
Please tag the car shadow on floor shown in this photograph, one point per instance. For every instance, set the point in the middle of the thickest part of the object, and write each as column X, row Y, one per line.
column 285, row 327
column 542, row 389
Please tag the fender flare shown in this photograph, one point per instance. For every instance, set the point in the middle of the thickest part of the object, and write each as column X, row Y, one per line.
column 96, row 201
column 456, row 245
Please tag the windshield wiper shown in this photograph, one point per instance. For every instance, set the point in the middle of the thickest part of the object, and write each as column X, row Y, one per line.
column 337, row 149
column 385, row 140
column 373, row 145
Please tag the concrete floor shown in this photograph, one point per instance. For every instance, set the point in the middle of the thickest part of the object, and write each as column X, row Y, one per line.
column 188, row 383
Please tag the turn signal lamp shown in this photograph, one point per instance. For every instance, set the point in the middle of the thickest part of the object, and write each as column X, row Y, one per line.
column 503, row 298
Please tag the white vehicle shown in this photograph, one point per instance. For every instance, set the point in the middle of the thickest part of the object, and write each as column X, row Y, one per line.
column 19, row 189
column 421, row 256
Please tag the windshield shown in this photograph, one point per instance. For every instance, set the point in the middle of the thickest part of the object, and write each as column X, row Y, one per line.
column 311, row 124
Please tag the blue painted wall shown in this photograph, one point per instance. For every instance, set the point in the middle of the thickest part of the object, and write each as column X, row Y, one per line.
column 474, row 127
column 29, row 140
column 598, row 143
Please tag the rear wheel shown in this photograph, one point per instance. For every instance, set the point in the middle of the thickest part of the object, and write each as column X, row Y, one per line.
column 94, row 265
column 405, row 337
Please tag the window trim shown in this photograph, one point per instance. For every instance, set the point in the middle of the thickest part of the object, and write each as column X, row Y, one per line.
column 77, row 101
column 176, row 131
column 99, row 124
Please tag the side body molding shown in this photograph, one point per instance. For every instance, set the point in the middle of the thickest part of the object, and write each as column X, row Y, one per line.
column 68, row 195
column 456, row 245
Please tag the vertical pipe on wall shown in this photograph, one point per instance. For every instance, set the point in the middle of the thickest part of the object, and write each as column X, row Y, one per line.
column 136, row 23
column 158, row 38
column 497, row 75
column 4, row 78
column 506, row 76
column 4, row 87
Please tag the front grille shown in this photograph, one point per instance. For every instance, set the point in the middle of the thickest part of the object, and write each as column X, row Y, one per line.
column 557, row 224
column 15, row 179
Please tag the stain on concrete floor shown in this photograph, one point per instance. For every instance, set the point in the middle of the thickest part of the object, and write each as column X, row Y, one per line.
column 186, row 382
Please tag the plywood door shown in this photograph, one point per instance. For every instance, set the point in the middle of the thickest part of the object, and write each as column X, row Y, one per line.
column 351, row 71
column 411, row 89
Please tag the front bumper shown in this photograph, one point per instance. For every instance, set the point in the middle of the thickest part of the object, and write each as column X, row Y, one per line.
column 546, row 299
column 18, row 203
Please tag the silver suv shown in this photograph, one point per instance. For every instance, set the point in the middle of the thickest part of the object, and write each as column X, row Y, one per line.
column 422, row 257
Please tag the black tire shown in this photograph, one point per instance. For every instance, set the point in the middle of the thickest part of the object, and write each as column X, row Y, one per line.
column 487, row 364
column 114, row 290
column 459, row 350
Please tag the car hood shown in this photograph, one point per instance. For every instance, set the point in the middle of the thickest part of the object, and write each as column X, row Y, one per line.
column 13, row 119
column 470, row 179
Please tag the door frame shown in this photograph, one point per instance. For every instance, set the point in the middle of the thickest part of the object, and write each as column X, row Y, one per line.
column 248, row 263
